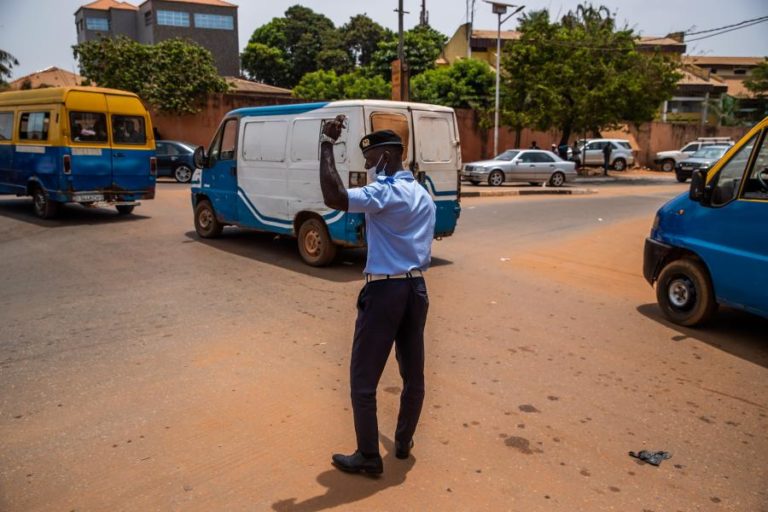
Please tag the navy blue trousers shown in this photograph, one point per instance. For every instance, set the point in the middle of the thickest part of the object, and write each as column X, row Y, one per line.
column 388, row 311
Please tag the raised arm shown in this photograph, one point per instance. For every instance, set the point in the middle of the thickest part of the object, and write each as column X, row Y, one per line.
column 334, row 194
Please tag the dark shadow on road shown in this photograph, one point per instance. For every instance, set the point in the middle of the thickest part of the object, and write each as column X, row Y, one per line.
column 69, row 214
column 735, row 332
column 283, row 252
column 345, row 488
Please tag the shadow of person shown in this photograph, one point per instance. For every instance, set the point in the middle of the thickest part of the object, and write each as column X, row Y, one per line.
column 343, row 488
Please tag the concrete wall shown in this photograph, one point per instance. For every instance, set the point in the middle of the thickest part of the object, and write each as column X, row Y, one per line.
column 647, row 140
column 199, row 128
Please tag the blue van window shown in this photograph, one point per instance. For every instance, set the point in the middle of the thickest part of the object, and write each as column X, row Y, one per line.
column 753, row 188
column 730, row 176
column 128, row 130
column 6, row 125
column 88, row 126
column 34, row 125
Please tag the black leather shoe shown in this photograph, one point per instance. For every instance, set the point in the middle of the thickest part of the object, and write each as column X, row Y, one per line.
column 403, row 452
column 358, row 463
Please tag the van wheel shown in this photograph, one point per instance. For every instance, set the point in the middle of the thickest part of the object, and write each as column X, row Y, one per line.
column 619, row 164
column 124, row 209
column 182, row 174
column 315, row 244
column 496, row 178
column 45, row 207
column 206, row 223
column 668, row 165
column 681, row 179
column 685, row 293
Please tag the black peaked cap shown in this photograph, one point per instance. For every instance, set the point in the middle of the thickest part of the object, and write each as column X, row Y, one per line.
column 380, row 138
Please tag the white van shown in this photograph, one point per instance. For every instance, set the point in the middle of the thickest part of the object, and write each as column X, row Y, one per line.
column 262, row 170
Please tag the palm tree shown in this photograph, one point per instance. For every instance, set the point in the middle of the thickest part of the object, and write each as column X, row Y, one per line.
column 7, row 61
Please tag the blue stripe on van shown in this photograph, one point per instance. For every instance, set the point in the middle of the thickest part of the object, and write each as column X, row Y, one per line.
column 436, row 193
column 277, row 110
column 329, row 218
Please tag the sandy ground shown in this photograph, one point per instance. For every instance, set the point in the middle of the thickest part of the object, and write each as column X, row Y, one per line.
column 143, row 369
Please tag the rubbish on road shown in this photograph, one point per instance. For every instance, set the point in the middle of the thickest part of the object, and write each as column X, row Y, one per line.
column 655, row 458
column 503, row 259
column 599, row 219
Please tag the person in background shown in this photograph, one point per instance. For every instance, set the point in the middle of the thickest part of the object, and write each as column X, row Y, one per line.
column 607, row 150
column 534, row 145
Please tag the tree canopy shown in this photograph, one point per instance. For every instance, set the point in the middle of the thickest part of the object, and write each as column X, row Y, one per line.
column 422, row 46
column 581, row 74
column 172, row 76
column 327, row 85
column 7, row 61
column 468, row 83
column 758, row 81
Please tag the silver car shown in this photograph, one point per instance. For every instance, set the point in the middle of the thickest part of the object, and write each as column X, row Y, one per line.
column 527, row 165
column 591, row 153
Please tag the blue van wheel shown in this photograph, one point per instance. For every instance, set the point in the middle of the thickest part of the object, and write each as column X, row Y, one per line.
column 684, row 293
column 206, row 223
column 315, row 245
column 45, row 207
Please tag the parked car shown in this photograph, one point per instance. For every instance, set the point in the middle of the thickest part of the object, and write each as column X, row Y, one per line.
column 591, row 153
column 702, row 159
column 174, row 159
column 668, row 160
column 531, row 165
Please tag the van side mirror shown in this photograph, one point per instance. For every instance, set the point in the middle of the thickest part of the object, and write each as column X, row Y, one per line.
column 699, row 191
column 199, row 157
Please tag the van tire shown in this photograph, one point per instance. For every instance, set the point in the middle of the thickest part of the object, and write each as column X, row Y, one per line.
column 43, row 205
column 620, row 164
column 206, row 223
column 684, row 293
column 315, row 245
column 182, row 174
column 124, row 209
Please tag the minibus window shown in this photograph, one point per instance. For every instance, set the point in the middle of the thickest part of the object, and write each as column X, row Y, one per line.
column 398, row 123
column 128, row 130
column 753, row 188
column 88, row 126
column 34, row 125
column 729, row 178
column 6, row 125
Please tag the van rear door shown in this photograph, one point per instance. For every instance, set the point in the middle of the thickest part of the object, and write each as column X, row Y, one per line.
column 91, row 153
column 132, row 145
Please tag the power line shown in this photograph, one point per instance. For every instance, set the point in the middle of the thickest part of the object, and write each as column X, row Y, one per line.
column 729, row 30
column 761, row 18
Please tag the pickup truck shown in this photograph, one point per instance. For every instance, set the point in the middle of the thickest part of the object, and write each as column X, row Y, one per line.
column 668, row 160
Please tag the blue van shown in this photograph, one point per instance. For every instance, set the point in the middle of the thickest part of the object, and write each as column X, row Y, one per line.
column 262, row 170
column 710, row 246
column 85, row 145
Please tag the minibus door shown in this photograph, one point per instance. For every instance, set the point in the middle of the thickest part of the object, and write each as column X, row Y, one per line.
column 132, row 145
column 90, row 153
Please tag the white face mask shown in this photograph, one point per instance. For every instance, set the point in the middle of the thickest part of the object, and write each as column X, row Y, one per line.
column 373, row 172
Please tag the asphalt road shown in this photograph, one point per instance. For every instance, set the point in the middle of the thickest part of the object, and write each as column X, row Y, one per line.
column 142, row 368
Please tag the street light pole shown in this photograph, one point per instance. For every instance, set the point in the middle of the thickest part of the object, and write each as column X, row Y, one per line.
column 499, row 8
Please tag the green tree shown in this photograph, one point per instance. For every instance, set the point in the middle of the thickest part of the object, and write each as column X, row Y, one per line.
column 266, row 63
column 171, row 76
column 758, row 80
column 7, row 61
column 422, row 46
column 468, row 83
column 581, row 74
column 362, row 36
column 328, row 86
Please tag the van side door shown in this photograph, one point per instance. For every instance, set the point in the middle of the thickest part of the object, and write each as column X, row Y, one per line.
column 730, row 235
column 437, row 151
column 219, row 180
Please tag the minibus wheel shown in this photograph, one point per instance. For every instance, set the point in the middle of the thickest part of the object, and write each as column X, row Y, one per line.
column 684, row 292
column 315, row 244
column 45, row 207
column 206, row 223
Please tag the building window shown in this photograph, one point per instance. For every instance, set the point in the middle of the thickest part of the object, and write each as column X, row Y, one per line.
column 214, row 21
column 739, row 71
column 148, row 18
column 173, row 18
column 101, row 24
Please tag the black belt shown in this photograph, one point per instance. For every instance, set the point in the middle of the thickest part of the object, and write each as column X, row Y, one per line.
column 369, row 278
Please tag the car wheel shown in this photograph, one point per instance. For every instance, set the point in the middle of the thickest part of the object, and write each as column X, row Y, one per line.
column 496, row 178
column 681, row 179
column 315, row 244
column 206, row 223
column 619, row 164
column 124, row 209
column 557, row 179
column 685, row 293
column 474, row 182
column 45, row 207
column 182, row 174
column 668, row 165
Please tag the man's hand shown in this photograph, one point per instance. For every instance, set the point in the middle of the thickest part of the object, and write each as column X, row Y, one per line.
column 332, row 129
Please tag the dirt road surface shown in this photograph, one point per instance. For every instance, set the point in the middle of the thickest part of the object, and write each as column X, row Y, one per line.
column 144, row 369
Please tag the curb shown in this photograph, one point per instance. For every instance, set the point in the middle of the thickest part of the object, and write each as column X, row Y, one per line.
column 531, row 192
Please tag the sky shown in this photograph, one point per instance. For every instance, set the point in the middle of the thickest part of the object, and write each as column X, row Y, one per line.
column 40, row 33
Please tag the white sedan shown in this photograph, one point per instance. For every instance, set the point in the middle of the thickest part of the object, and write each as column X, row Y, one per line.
column 523, row 165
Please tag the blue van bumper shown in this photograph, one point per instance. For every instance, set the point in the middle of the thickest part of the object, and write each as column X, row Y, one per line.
column 654, row 256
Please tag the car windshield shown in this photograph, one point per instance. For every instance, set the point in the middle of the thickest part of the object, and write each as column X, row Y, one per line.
column 507, row 155
column 710, row 152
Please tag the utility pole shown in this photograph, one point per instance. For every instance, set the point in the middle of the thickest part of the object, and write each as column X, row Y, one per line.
column 470, row 25
column 400, row 67
column 424, row 17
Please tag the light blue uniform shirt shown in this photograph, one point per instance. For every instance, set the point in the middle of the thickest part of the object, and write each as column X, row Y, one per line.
column 400, row 223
